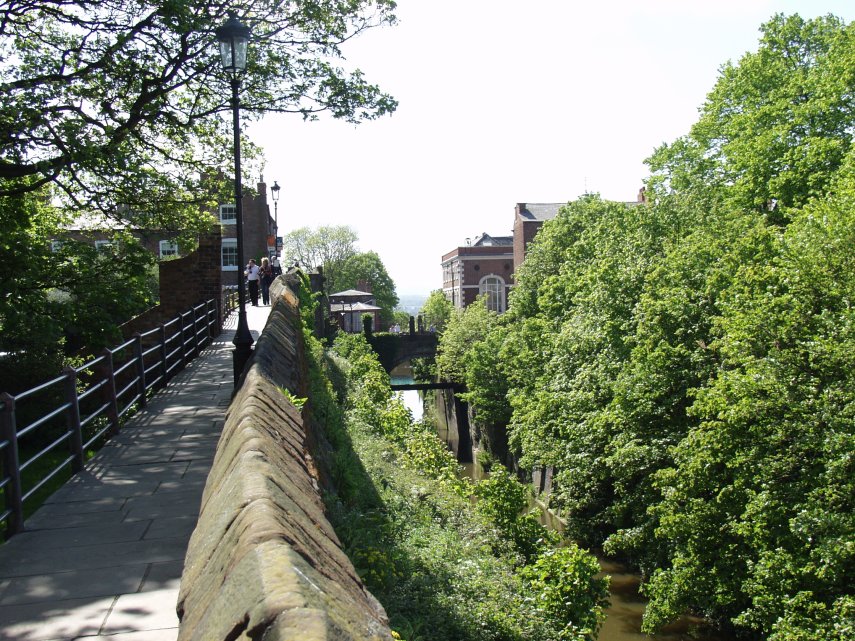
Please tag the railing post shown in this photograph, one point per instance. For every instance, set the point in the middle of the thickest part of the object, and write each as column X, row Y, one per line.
column 181, row 340
column 164, row 368
column 196, row 349
column 110, row 391
column 140, row 361
column 213, row 317
column 73, row 419
column 11, row 465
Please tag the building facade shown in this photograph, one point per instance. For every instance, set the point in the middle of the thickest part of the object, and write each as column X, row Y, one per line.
column 258, row 226
column 259, row 233
column 528, row 219
column 484, row 266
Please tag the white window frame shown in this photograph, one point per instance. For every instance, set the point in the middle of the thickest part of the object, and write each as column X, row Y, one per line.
column 103, row 245
column 228, row 243
column 498, row 292
column 228, row 214
column 55, row 246
column 167, row 249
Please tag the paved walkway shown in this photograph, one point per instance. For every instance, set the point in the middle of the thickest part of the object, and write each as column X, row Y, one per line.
column 102, row 559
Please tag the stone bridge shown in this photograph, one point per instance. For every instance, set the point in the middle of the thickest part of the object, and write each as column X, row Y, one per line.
column 395, row 349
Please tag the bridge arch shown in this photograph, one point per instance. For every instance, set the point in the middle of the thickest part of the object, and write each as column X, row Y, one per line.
column 395, row 349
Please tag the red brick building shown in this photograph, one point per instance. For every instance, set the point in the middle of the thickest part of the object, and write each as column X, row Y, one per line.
column 259, row 233
column 484, row 266
column 528, row 219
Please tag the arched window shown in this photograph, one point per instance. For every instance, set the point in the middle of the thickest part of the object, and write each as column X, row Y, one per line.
column 494, row 288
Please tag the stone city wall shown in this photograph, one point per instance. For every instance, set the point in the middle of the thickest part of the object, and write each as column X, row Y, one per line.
column 264, row 562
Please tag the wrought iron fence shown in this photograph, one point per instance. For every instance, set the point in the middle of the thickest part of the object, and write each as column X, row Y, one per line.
column 71, row 413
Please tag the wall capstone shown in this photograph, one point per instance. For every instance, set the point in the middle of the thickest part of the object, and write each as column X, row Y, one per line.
column 263, row 561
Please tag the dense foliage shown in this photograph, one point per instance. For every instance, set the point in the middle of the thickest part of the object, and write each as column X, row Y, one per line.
column 55, row 303
column 334, row 247
column 442, row 569
column 125, row 104
column 324, row 246
column 687, row 365
column 368, row 267
column 436, row 310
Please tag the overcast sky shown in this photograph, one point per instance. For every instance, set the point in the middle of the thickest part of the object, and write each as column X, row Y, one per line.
column 502, row 102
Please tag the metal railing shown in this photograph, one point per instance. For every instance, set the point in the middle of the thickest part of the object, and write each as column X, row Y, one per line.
column 85, row 404
column 230, row 299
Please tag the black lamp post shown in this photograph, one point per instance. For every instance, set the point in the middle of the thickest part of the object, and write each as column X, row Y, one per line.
column 274, row 192
column 234, row 39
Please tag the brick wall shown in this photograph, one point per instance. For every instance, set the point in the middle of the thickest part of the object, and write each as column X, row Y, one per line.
column 184, row 282
column 257, row 225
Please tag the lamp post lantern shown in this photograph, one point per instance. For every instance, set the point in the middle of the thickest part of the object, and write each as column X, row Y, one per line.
column 274, row 192
column 234, row 40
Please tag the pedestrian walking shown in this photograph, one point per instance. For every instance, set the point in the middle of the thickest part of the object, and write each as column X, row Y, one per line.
column 252, row 275
column 266, row 276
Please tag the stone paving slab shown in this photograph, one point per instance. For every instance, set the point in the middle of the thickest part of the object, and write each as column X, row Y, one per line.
column 100, row 582
column 102, row 558
column 59, row 619
column 28, row 562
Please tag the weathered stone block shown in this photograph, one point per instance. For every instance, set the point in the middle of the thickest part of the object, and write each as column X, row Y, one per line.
column 263, row 561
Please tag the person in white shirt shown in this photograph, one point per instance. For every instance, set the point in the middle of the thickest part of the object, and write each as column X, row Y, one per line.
column 252, row 279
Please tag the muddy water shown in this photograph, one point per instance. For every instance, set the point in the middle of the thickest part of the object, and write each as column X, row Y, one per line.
column 623, row 616
column 626, row 605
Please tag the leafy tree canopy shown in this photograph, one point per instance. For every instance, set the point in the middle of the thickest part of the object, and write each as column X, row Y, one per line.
column 437, row 310
column 686, row 365
column 777, row 125
column 71, row 298
column 120, row 105
column 326, row 246
column 369, row 268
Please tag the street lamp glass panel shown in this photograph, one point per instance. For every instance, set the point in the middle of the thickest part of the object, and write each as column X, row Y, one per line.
column 234, row 40
column 275, row 191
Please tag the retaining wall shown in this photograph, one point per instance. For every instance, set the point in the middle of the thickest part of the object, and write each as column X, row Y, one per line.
column 264, row 562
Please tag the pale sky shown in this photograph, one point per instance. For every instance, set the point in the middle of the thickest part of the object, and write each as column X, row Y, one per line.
column 502, row 102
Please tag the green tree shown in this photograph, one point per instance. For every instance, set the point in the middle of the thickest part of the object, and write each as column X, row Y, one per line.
column 758, row 508
column 327, row 247
column 777, row 124
column 368, row 267
column 98, row 94
column 466, row 327
column 65, row 300
column 437, row 310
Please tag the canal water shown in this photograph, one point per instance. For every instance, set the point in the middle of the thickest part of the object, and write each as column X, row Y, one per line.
column 626, row 605
column 403, row 375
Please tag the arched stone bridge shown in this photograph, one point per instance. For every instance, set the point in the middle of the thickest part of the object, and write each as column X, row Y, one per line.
column 394, row 349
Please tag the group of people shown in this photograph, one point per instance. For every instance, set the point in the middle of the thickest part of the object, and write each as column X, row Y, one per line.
column 260, row 277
